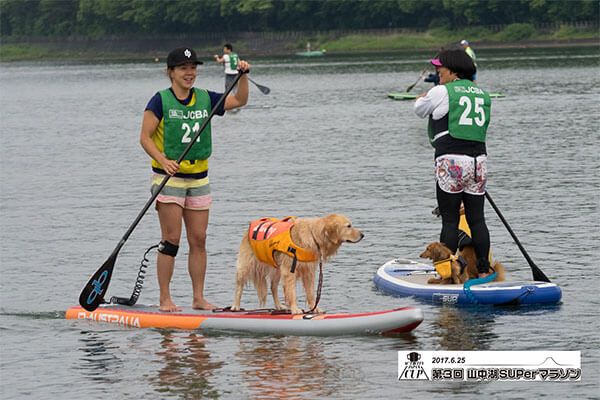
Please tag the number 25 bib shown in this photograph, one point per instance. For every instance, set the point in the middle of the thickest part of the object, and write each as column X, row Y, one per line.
column 469, row 111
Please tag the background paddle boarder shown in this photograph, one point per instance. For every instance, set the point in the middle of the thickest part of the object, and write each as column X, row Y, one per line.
column 471, row 53
column 230, row 61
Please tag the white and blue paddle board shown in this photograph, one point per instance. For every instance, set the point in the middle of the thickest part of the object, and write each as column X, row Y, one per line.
column 402, row 277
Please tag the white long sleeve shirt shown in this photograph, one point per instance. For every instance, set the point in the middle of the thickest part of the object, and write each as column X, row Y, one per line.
column 434, row 103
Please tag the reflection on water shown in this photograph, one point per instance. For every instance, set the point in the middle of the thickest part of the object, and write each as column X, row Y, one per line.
column 186, row 366
column 99, row 357
column 464, row 329
column 288, row 368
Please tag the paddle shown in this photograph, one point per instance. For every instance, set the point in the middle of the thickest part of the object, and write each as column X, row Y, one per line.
column 263, row 89
column 92, row 294
column 538, row 275
column 408, row 89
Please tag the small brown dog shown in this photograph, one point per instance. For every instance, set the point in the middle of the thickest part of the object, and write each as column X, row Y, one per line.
column 309, row 241
column 437, row 251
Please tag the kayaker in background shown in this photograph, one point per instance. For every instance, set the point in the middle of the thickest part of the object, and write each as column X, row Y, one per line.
column 459, row 115
column 432, row 78
column 230, row 60
column 467, row 48
column 171, row 119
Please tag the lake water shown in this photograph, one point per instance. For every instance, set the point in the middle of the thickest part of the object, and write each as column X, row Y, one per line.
column 73, row 177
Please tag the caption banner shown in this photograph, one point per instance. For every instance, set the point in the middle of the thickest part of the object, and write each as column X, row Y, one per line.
column 551, row 366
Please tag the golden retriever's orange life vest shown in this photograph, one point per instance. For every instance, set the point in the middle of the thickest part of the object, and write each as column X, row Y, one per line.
column 268, row 235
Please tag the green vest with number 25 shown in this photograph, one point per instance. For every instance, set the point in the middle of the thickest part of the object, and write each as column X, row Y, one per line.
column 469, row 110
column 183, row 122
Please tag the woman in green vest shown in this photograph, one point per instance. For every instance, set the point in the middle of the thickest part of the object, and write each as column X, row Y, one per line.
column 459, row 115
column 171, row 119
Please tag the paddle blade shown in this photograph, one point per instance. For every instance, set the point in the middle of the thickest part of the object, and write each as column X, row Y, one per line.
column 538, row 274
column 92, row 294
column 408, row 89
column 263, row 89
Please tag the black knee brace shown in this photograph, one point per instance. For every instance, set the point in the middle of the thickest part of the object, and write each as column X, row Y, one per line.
column 167, row 248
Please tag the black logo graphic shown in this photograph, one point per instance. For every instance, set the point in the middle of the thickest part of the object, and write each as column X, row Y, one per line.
column 413, row 368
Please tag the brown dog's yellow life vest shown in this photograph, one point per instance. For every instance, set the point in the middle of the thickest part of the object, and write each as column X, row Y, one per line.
column 268, row 235
column 444, row 267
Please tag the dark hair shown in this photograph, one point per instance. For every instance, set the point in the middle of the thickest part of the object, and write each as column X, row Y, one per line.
column 228, row 46
column 459, row 62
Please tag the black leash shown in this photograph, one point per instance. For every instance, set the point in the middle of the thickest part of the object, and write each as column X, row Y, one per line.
column 319, row 286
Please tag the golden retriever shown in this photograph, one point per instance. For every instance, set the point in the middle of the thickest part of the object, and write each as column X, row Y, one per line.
column 323, row 236
column 437, row 251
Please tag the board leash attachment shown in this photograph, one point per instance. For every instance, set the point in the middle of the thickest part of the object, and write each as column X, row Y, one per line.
column 139, row 282
column 477, row 281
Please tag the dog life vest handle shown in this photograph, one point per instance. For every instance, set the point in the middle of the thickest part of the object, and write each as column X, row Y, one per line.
column 295, row 260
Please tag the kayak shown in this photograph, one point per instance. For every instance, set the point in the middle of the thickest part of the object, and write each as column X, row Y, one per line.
column 412, row 96
column 313, row 53
column 409, row 278
column 256, row 321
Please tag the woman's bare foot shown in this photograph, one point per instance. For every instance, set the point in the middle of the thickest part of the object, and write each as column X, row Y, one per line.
column 169, row 306
column 202, row 304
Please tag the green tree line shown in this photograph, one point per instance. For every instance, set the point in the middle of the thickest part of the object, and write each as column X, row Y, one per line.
column 95, row 18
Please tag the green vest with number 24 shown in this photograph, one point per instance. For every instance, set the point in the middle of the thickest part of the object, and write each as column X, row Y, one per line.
column 183, row 122
column 469, row 111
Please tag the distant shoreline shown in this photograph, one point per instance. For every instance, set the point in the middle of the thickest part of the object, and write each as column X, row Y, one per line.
column 118, row 48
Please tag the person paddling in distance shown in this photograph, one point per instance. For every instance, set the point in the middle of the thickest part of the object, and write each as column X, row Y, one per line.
column 459, row 115
column 230, row 61
column 171, row 119
column 467, row 47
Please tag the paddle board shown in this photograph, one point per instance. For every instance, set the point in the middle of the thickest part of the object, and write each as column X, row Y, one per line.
column 409, row 278
column 412, row 96
column 313, row 53
column 261, row 322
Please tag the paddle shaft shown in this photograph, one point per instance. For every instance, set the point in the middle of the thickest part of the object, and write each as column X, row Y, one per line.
column 538, row 275
column 417, row 81
column 93, row 292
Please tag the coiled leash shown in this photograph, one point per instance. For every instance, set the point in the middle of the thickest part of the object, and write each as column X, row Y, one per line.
column 477, row 281
column 139, row 282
